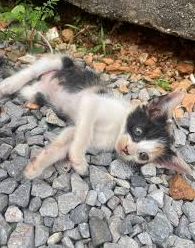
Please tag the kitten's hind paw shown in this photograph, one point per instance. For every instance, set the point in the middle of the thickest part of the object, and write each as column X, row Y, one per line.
column 32, row 170
column 80, row 166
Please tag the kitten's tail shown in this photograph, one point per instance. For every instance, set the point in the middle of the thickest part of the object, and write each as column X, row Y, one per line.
column 14, row 83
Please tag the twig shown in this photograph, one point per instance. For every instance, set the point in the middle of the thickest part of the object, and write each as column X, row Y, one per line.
column 46, row 41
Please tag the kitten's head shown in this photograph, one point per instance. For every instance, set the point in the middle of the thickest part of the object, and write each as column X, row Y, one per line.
column 146, row 137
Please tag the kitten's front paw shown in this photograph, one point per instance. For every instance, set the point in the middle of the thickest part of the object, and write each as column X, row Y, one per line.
column 32, row 170
column 80, row 165
column 7, row 87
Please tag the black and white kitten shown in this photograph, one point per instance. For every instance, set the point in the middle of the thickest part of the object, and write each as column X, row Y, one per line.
column 138, row 133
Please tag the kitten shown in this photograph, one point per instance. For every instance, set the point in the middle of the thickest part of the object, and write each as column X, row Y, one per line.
column 101, row 121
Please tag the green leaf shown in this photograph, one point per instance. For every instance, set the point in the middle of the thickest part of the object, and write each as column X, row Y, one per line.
column 18, row 10
column 163, row 83
column 71, row 26
column 95, row 49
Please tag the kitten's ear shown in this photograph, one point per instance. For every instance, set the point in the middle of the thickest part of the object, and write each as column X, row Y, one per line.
column 165, row 104
column 175, row 163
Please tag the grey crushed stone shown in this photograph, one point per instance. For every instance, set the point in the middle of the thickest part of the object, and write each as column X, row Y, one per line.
column 21, row 195
column 159, row 229
column 5, row 151
column 63, row 223
column 5, row 230
column 41, row 235
column 67, row 202
column 42, row 189
column 35, row 204
column 79, row 187
column 189, row 210
column 147, row 206
column 3, row 174
column 22, row 236
column 22, row 150
column 120, row 169
column 8, row 185
column 13, row 214
column 3, row 202
column 80, row 214
column 100, row 232
column 182, row 230
column 49, row 207
column 131, row 208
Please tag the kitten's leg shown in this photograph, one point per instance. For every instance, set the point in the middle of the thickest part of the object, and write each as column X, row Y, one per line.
column 14, row 83
column 55, row 151
column 82, row 136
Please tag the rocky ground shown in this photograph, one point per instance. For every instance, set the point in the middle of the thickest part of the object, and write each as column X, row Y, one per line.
column 116, row 206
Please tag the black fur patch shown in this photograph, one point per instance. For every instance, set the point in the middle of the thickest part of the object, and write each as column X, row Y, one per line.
column 40, row 99
column 75, row 79
column 152, row 128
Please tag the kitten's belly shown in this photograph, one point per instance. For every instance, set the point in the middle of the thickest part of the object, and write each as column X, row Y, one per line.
column 105, row 138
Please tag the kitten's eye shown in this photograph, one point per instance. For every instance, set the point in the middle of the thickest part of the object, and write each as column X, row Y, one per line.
column 138, row 131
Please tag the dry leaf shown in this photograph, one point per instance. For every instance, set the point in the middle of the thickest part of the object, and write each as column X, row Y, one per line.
column 185, row 68
column 181, row 86
column 108, row 61
column 98, row 66
column 113, row 67
column 3, row 25
column 32, row 105
column 123, row 88
column 188, row 102
column 180, row 189
column 178, row 113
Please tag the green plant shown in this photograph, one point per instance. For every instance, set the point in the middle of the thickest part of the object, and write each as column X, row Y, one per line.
column 27, row 19
column 102, row 42
column 165, row 84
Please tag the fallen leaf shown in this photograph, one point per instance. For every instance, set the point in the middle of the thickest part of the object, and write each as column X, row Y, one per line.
column 143, row 57
column 3, row 25
column 149, row 62
column 178, row 113
column 67, row 35
column 99, row 66
column 123, row 88
column 32, row 105
column 108, row 61
column 180, row 189
column 88, row 59
column 182, row 85
column 155, row 73
column 188, row 102
column 113, row 67
column 185, row 68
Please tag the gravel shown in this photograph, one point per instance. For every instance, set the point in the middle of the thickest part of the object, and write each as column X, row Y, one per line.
column 42, row 189
column 147, row 206
column 130, row 208
column 21, row 195
column 22, row 236
column 13, row 214
column 100, row 232
column 159, row 229
column 49, row 208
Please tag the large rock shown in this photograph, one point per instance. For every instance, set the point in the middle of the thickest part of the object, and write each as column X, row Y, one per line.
column 173, row 16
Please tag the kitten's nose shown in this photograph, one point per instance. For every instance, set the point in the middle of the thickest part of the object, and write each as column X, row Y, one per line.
column 125, row 150
column 143, row 156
